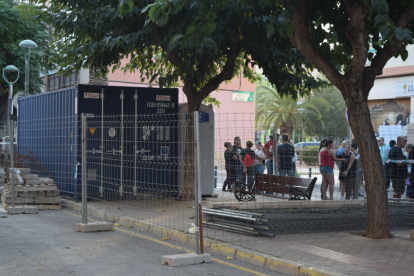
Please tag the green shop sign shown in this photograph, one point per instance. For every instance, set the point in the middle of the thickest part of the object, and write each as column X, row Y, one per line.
column 243, row 96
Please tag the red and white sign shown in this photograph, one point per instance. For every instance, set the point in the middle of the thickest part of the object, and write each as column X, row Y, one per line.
column 163, row 98
column 90, row 95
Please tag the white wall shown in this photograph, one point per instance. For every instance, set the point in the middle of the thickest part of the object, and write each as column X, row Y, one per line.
column 84, row 76
column 385, row 88
column 396, row 62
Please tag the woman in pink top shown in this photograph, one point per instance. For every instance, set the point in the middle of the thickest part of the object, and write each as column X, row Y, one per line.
column 326, row 168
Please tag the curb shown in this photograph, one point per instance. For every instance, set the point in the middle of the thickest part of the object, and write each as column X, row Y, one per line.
column 276, row 264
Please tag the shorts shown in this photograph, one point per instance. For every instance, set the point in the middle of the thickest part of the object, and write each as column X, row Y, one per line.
column 325, row 170
column 399, row 186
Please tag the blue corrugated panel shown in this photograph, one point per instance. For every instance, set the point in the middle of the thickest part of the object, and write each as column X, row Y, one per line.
column 49, row 127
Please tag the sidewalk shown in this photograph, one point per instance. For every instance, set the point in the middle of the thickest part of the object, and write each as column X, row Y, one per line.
column 339, row 252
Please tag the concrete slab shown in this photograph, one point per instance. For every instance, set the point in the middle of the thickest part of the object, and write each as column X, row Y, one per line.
column 94, row 227
column 18, row 210
column 31, row 210
column 185, row 259
column 31, row 176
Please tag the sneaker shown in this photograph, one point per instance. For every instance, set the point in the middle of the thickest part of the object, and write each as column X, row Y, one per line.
column 351, row 197
column 341, row 198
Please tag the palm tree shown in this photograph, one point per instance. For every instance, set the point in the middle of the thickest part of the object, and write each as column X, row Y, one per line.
column 285, row 112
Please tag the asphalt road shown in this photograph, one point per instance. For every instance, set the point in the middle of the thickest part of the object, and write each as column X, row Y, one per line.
column 47, row 244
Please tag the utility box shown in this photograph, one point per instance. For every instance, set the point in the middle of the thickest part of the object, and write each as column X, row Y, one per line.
column 131, row 139
column 206, row 124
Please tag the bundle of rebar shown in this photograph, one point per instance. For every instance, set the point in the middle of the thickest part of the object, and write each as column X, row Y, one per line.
column 241, row 222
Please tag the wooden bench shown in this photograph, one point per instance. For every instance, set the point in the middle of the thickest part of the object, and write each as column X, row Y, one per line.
column 291, row 188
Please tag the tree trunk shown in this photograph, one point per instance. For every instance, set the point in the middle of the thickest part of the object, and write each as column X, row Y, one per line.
column 194, row 104
column 360, row 121
column 286, row 129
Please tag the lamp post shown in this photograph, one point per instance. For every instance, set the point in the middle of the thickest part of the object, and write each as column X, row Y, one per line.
column 10, row 69
column 27, row 44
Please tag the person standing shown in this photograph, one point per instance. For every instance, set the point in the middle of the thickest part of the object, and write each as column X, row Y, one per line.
column 338, row 153
column 269, row 153
column 388, row 166
column 326, row 168
column 408, row 150
column 350, row 170
column 249, row 171
column 237, row 148
column 384, row 156
column 231, row 161
column 343, row 168
column 410, row 191
column 285, row 153
column 259, row 161
column 398, row 170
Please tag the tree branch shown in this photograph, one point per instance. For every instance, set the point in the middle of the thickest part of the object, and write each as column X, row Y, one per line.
column 389, row 50
column 228, row 68
column 302, row 41
column 355, row 32
column 173, row 56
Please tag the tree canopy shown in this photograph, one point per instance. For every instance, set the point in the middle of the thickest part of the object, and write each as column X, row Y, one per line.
column 332, row 120
column 198, row 43
column 17, row 24
column 285, row 112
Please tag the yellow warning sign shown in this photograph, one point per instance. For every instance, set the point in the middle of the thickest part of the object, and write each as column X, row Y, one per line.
column 92, row 130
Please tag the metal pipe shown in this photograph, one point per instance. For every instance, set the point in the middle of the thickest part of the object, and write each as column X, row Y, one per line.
column 230, row 228
column 235, row 226
column 121, row 188
column 240, row 223
column 231, row 216
column 84, row 170
column 267, row 234
column 134, row 190
column 197, row 178
column 242, row 212
column 234, row 231
column 229, row 213
column 11, row 158
column 101, row 190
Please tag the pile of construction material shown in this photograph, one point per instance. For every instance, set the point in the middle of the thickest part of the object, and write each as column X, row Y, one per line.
column 241, row 222
column 30, row 189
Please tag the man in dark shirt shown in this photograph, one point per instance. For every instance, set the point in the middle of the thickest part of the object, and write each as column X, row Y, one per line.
column 285, row 153
column 249, row 171
column 269, row 153
column 237, row 150
column 398, row 171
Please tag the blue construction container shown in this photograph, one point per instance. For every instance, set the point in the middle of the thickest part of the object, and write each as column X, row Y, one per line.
column 49, row 130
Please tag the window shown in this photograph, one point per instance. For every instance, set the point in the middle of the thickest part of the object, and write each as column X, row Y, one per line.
column 70, row 80
column 53, row 82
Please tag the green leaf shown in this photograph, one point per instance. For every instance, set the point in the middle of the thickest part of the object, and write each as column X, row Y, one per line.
column 404, row 54
column 190, row 30
column 162, row 19
column 270, row 30
column 405, row 35
column 290, row 30
column 385, row 31
column 154, row 13
column 381, row 6
column 175, row 38
column 209, row 28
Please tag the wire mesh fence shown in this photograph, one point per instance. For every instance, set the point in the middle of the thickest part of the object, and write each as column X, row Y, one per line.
column 138, row 171
column 141, row 170
column 301, row 199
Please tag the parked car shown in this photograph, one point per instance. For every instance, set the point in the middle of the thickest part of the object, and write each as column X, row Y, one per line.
column 303, row 145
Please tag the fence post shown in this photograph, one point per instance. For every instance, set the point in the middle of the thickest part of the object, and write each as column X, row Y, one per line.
column 275, row 141
column 197, row 186
column 84, row 171
column 11, row 144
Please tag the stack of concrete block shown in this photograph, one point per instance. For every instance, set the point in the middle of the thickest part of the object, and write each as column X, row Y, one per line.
column 31, row 190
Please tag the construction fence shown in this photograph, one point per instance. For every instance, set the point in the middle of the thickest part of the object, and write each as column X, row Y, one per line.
column 163, row 174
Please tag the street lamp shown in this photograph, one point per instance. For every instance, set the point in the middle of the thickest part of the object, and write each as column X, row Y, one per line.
column 27, row 44
column 10, row 69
